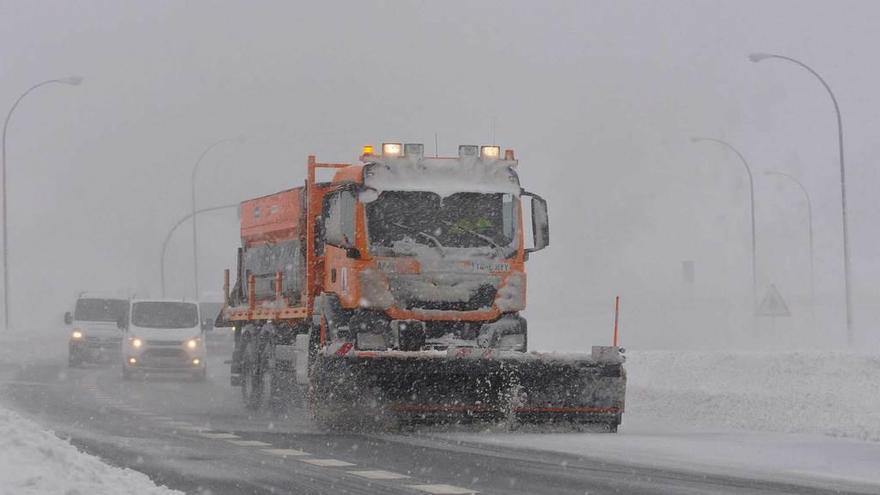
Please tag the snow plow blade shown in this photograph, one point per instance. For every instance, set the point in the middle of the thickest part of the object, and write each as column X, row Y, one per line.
column 470, row 384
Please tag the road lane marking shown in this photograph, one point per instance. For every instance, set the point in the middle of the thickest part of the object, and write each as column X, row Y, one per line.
column 440, row 489
column 328, row 462
column 219, row 436
column 196, row 429
column 249, row 443
column 379, row 475
column 285, row 452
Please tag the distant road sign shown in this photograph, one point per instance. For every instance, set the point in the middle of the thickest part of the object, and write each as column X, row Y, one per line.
column 773, row 304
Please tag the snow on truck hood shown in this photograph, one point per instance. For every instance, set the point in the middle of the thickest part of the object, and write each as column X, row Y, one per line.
column 444, row 176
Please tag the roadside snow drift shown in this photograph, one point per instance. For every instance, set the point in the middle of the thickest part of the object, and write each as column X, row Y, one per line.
column 829, row 393
column 33, row 460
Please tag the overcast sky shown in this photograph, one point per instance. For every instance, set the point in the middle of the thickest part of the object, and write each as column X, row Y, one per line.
column 599, row 100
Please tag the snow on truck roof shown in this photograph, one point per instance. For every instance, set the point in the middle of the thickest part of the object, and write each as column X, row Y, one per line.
column 444, row 176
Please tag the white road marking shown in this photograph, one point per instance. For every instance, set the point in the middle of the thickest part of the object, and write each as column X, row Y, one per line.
column 379, row 475
column 285, row 452
column 249, row 443
column 175, row 423
column 219, row 436
column 444, row 489
column 194, row 428
column 328, row 462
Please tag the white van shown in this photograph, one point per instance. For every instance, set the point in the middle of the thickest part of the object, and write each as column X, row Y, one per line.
column 94, row 336
column 163, row 336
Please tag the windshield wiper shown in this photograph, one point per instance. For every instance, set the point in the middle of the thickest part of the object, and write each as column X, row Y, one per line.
column 440, row 247
column 498, row 250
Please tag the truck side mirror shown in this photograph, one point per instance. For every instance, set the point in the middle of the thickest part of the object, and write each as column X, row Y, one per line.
column 207, row 325
column 68, row 318
column 122, row 323
column 540, row 223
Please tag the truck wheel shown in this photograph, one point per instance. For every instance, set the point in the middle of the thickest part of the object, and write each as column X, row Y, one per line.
column 73, row 361
column 251, row 380
column 126, row 373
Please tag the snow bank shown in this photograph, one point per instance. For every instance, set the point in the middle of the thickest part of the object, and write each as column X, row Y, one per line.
column 830, row 393
column 33, row 460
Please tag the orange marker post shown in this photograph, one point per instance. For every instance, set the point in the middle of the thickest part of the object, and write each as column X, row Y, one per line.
column 616, row 319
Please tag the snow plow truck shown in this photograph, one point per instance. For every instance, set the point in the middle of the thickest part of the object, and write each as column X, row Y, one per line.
column 391, row 294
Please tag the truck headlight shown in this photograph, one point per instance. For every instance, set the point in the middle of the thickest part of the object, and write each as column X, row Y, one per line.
column 76, row 335
column 192, row 343
column 136, row 343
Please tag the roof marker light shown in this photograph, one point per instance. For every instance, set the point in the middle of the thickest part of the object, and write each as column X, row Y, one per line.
column 490, row 152
column 508, row 155
column 414, row 150
column 392, row 149
column 466, row 150
column 367, row 150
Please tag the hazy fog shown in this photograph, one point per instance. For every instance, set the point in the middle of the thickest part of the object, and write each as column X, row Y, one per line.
column 599, row 100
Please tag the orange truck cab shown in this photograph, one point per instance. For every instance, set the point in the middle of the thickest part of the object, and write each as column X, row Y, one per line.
column 402, row 251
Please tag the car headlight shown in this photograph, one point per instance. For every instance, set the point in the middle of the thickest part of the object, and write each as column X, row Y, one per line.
column 136, row 342
column 76, row 335
column 192, row 343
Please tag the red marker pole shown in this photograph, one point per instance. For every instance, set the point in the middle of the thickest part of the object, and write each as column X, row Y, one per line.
column 616, row 318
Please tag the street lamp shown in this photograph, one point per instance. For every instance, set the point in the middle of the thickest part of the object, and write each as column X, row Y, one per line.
column 751, row 203
column 195, row 234
column 810, row 221
column 174, row 228
column 70, row 81
column 757, row 57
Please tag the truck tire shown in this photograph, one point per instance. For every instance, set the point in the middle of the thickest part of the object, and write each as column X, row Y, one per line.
column 251, row 378
column 73, row 361
column 126, row 373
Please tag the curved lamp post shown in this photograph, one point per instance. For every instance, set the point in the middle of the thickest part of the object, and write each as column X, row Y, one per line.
column 751, row 205
column 757, row 57
column 70, row 81
column 195, row 235
column 174, row 228
column 810, row 223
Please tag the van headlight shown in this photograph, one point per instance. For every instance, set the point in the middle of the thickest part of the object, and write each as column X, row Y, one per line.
column 136, row 342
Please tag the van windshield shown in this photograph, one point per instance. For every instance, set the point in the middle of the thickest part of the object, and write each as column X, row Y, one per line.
column 164, row 314
column 100, row 309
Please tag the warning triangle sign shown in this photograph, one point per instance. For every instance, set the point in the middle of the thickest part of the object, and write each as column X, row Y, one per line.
column 773, row 304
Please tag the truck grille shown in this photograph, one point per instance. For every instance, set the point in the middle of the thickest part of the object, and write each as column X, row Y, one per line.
column 481, row 298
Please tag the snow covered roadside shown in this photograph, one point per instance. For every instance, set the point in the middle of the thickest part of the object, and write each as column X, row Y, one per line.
column 770, row 415
column 32, row 459
column 828, row 393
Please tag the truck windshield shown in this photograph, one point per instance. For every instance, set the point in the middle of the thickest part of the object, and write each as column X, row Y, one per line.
column 163, row 314
column 461, row 220
column 100, row 309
